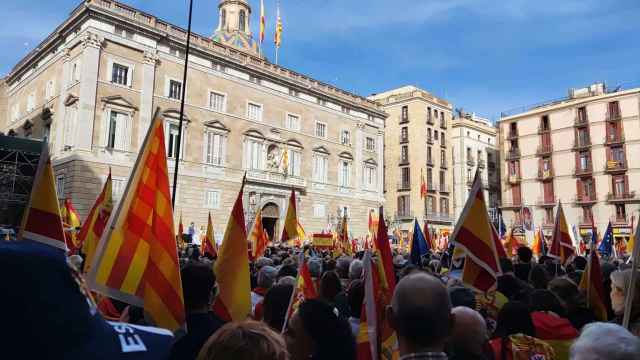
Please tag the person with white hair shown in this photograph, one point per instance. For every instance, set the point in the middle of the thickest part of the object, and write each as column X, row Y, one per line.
column 620, row 281
column 605, row 341
column 355, row 270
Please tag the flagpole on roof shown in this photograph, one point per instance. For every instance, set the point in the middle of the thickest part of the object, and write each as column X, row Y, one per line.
column 182, row 99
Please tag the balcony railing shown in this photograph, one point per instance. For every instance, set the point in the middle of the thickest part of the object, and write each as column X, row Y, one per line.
column 403, row 159
column 614, row 166
column 471, row 161
column 514, row 179
column 543, row 130
column 512, row 134
column 544, row 174
column 481, row 164
column 404, row 185
column 443, row 124
column 443, row 143
column 429, row 140
column 492, row 165
column 430, row 119
column 404, row 138
column 580, row 121
column 544, row 149
column 585, row 199
column 621, row 197
column 443, row 164
column 614, row 116
column 275, row 178
column 432, row 217
column 546, row 201
column 431, row 187
column 444, row 188
column 619, row 220
column 584, row 221
column 513, row 154
column 403, row 119
column 430, row 162
column 581, row 144
column 579, row 171
column 404, row 215
column 613, row 139
column 511, row 204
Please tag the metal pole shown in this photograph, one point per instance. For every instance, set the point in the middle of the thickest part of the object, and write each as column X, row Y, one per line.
column 182, row 99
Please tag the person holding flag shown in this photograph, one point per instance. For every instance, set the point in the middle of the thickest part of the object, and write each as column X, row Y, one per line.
column 71, row 223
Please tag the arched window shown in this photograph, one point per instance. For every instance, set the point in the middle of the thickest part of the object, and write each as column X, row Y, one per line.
column 223, row 19
column 241, row 20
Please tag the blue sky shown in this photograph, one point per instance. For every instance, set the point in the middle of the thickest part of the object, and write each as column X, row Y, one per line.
column 483, row 55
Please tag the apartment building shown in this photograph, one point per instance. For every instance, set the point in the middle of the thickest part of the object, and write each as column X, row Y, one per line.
column 92, row 86
column 475, row 148
column 416, row 145
column 577, row 150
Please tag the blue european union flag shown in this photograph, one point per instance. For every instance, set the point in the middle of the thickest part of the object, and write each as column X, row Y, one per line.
column 419, row 246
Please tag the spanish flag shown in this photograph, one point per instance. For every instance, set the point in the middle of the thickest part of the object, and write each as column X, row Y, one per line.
column 137, row 259
column 592, row 284
column 561, row 245
column 209, row 245
column 292, row 229
column 473, row 235
column 304, row 290
column 259, row 237
column 42, row 220
column 95, row 223
column 71, row 223
column 423, row 186
column 383, row 251
column 537, row 244
column 232, row 268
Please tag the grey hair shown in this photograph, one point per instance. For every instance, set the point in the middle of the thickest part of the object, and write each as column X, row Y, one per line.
column 267, row 277
column 605, row 341
column 315, row 267
column 621, row 279
column 355, row 269
column 287, row 280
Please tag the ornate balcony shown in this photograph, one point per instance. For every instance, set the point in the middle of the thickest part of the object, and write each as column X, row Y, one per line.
column 430, row 140
column 615, row 116
column 587, row 171
column 444, row 188
column 403, row 119
column 513, row 154
column 548, row 201
column 621, row 197
column 614, row 139
column 275, row 178
column 544, row 174
column 430, row 162
column 404, row 215
column 580, row 122
column 584, row 221
column 430, row 120
column 614, row 167
column 443, row 164
column 620, row 220
column 481, row 164
column 545, row 149
column 585, row 200
column 581, row 144
column 471, row 161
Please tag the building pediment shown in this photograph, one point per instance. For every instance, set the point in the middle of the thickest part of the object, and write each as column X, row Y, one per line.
column 118, row 101
column 70, row 100
column 371, row 161
column 215, row 124
column 254, row 133
column 346, row 155
column 295, row 143
column 175, row 114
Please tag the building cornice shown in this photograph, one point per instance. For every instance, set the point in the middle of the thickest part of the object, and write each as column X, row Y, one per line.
column 489, row 130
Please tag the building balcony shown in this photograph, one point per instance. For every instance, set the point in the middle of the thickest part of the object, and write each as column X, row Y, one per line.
column 544, row 150
column 436, row 217
column 404, row 215
column 482, row 164
column 615, row 116
column 547, row 201
column 444, row 188
column 544, row 175
column 443, row 124
column 585, row 200
column 514, row 179
column 403, row 185
column 403, row 119
column 614, row 139
column 404, row 139
column 512, row 134
column 443, row 164
column 513, row 154
column 620, row 220
column 471, row 161
column 621, row 197
column 614, row 167
column 430, row 162
column 275, row 178
column 430, row 140
column 511, row 205
column 443, row 143
column 403, row 160
column 581, row 144
column 585, row 221
column 430, row 120
column 492, row 165
column 542, row 130
column 586, row 171
column 431, row 187
column 580, row 121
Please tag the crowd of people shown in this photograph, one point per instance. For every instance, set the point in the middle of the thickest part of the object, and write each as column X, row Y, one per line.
column 537, row 311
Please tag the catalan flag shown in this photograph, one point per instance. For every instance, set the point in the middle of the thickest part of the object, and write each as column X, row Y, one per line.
column 262, row 21
column 232, row 268
column 70, row 223
column 95, row 223
column 592, row 284
column 428, row 236
column 209, row 245
column 538, row 244
column 304, row 290
column 137, row 259
column 561, row 245
column 259, row 237
column 278, row 34
column 42, row 220
column 423, row 186
column 474, row 236
column 292, row 229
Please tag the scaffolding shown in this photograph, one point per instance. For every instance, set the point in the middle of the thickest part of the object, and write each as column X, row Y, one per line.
column 18, row 164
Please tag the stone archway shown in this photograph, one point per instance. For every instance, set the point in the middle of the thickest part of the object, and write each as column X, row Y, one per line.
column 270, row 214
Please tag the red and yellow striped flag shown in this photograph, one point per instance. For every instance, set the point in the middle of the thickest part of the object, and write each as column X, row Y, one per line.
column 278, row 35
column 262, row 21
column 95, row 223
column 473, row 235
column 42, row 220
column 137, row 258
column 259, row 237
column 232, row 268
column 209, row 245
column 305, row 289
column 292, row 229
column 70, row 223
column 561, row 245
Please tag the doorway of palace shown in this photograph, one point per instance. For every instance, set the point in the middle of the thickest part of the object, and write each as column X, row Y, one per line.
column 270, row 214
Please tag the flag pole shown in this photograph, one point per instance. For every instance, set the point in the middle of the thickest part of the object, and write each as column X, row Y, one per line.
column 182, row 99
column 631, row 289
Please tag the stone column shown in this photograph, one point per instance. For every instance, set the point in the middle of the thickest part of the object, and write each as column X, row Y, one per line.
column 146, row 94
column 88, row 87
column 358, row 156
column 61, row 110
column 380, row 150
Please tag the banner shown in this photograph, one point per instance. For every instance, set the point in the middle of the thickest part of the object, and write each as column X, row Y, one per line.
column 322, row 240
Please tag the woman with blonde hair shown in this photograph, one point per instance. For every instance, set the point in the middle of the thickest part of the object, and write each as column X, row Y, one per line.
column 248, row 340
